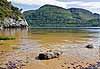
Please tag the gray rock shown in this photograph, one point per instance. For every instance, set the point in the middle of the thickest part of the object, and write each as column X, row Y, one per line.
column 49, row 54
column 10, row 22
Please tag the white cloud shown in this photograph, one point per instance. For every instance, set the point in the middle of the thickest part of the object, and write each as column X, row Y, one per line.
column 57, row 3
column 87, row 5
column 40, row 2
column 9, row 0
column 43, row 2
column 73, row 2
column 91, row 4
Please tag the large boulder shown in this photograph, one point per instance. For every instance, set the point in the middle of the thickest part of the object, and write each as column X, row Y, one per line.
column 49, row 54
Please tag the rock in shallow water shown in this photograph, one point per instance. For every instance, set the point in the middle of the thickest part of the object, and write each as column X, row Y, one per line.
column 90, row 46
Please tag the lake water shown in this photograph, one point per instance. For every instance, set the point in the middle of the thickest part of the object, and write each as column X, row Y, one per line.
column 49, row 38
column 67, row 40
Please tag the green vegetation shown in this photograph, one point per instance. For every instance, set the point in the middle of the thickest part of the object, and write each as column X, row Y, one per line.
column 7, row 38
column 8, row 10
column 54, row 16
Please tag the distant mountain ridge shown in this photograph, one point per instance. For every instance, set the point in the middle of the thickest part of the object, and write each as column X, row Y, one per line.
column 54, row 16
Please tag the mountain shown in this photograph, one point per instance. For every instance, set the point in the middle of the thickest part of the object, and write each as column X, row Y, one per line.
column 10, row 16
column 54, row 16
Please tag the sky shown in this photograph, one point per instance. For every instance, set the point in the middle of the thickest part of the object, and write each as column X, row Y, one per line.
column 92, row 5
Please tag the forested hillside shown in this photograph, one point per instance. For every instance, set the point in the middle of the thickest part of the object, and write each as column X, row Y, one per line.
column 54, row 16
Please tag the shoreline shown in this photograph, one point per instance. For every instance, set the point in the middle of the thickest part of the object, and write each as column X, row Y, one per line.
column 64, row 27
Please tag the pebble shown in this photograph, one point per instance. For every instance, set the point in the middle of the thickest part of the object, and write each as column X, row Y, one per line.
column 72, row 63
column 18, row 60
column 74, row 67
column 68, row 67
column 65, row 63
column 62, row 65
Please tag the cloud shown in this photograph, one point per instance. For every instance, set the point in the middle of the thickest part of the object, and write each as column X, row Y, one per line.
column 91, row 4
column 61, row 3
column 9, row 0
column 43, row 2
column 86, row 4
column 40, row 2
column 80, row 0
column 26, row 7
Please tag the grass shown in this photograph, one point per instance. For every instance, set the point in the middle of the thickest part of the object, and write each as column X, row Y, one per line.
column 7, row 38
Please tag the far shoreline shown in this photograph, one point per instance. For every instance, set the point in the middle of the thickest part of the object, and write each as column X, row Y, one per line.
column 64, row 27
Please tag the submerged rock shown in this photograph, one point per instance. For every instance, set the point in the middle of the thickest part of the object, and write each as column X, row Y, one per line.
column 49, row 54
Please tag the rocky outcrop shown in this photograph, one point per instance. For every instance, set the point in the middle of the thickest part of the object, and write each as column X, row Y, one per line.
column 13, row 23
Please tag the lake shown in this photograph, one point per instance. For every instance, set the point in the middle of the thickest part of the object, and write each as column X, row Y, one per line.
column 49, row 37
column 71, row 41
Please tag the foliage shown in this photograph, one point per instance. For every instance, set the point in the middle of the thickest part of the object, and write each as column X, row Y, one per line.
column 8, row 10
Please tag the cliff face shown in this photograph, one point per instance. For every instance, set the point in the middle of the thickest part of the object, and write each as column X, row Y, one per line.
column 13, row 23
column 11, row 16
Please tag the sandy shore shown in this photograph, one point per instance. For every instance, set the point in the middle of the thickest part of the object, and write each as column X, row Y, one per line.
column 69, row 60
column 60, row 63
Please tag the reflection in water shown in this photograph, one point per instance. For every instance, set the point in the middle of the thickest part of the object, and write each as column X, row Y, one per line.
column 7, row 45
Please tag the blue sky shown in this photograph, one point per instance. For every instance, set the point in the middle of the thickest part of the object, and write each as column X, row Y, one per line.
column 92, row 5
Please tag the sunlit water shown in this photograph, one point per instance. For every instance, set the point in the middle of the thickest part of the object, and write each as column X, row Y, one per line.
column 71, row 41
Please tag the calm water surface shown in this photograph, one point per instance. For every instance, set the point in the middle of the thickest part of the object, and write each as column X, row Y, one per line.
column 48, row 38
column 40, row 39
